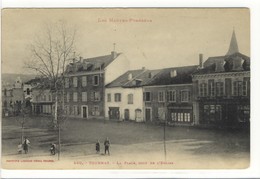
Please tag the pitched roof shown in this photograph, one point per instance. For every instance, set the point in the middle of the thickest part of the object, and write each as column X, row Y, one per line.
column 154, row 77
column 92, row 64
column 133, row 78
column 228, row 61
column 174, row 75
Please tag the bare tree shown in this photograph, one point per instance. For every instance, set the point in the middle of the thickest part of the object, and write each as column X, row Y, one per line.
column 51, row 52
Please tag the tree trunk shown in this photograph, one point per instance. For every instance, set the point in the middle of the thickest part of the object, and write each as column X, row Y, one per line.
column 56, row 110
column 164, row 139
column 59, row 143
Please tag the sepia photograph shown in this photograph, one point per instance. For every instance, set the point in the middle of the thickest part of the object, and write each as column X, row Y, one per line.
column 125, row 88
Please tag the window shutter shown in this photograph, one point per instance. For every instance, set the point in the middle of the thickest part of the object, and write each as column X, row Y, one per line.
column 144, row 96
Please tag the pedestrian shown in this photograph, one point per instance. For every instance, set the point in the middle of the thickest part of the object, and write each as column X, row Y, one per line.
column 26, row 144
column 107, row 145
column 53, row 149
column 20, row 148
column 97, row 146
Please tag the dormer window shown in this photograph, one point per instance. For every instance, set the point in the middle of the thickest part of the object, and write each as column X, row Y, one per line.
column 173, row 73
column 220, row 66
column 237, row 64
column 130, row 76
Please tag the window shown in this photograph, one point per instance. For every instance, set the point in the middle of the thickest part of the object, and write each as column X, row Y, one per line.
column 185, row 96
column 5, row 103
column 28, row 91
column 211, row 88
column 67, row 82
column 5, row 92
column 96, row 96
column 95, row 111
column 147, row 96
column 243, row 113
column 130, row 98
column 84, row 81
column 76, row 111
column 161, row 96
column 219, row 89
column 203, row 89
column 237, row 88
column 161, row 113
column 44, row 97
column 75, row 97
column 117, row 97
column 172, row 96
column 84, row 96
column 95, row 80
column 244, row 88
column 75, row 81
column 174, row 116
column 186, row 117
column 68, row 97
column 49, row 97
column 108, row 97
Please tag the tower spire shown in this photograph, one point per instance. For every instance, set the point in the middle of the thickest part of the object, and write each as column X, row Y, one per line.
column 233, row 47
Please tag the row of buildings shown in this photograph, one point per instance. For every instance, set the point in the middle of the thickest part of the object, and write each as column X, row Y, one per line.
column 214, row 92
column 14, row 95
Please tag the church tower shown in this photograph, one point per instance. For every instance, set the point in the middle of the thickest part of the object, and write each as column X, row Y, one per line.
column 233, row 47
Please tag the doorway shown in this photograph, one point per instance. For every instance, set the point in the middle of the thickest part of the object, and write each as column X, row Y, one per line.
column 84, row 112
column 114, row 113
column 148, row 114
column 126, row 114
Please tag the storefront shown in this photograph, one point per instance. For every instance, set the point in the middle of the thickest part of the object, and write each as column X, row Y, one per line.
column 226, row 112
column 180, row 114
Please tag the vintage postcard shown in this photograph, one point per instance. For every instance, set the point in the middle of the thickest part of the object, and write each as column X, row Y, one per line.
column 126, row 88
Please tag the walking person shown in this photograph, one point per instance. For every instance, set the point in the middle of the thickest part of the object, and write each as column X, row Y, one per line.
column 97, row 147
column 53, row 149
column 107, row 145
column 26, row 144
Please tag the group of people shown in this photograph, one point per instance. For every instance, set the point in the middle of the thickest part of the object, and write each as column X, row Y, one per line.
column 24, row 146
column 26, row 143
column 106, row 145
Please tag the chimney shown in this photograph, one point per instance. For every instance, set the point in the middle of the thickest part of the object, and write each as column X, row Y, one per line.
column 80, row 59
column 200, row 60
column 143, row 68
column 114, row 54
column 74, row 60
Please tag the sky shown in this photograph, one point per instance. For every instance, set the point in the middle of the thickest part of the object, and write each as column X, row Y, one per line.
column 165, row 37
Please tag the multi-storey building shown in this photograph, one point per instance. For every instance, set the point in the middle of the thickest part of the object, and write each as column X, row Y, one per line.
column 222, row 89
column 42, row 101
column 169, row 96
column 12, row 98
column 124, row 96
column 85, row 80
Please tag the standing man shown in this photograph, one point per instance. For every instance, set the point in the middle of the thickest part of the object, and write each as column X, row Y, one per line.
column 26, row 143
column 107, row 144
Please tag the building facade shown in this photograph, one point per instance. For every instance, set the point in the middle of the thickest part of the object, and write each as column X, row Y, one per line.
column 42, row 101
column 12, row 98
column 124, row 96
column 85, row 80
column 168, row 97
column 222, row 89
